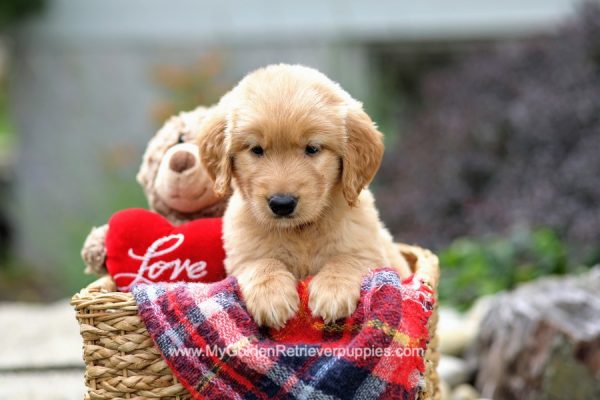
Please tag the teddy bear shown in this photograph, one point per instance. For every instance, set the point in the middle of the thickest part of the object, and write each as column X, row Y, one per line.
column 174, row 182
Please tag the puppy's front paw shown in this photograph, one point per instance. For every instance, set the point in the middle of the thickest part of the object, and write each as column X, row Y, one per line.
column 332, row 297
column 272, row 300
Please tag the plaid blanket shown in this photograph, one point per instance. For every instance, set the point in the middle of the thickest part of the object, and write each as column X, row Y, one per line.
column 216, row 350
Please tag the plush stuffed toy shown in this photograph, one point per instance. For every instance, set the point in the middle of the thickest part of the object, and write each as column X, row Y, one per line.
column 143, row 247
column 174, row 181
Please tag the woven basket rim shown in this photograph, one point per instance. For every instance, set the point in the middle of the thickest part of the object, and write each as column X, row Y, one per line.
column 423, row 263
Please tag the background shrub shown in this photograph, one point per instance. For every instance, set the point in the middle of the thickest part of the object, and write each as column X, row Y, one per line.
column 477, row 267
column 507, row 136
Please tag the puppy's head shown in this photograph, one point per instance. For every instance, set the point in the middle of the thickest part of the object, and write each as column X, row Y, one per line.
column 293, row 141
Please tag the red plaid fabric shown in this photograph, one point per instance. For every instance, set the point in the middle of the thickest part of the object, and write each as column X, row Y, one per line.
column 217, row 352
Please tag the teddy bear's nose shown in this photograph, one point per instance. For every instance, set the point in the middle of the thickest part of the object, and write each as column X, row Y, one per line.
column 182, row 161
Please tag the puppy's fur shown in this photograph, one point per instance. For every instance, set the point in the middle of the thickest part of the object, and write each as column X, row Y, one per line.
column 334, row 233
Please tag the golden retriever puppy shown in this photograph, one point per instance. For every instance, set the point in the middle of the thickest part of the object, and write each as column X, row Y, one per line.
column 298, row 151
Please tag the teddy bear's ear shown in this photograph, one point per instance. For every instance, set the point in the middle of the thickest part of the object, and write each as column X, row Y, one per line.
column 211, row 142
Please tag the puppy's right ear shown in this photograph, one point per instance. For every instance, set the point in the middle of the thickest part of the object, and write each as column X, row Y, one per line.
column 211, row 141
column 363, row 153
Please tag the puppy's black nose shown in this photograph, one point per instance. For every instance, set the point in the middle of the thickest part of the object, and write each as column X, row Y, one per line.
column 282, row 204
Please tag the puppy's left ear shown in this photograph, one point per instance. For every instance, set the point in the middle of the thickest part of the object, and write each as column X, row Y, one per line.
column 213, row 154
column 362, row 155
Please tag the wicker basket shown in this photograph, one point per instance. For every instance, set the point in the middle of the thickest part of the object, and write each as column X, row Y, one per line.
column 123, row 363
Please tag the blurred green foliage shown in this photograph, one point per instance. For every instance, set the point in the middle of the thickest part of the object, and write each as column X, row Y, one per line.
column 21, row 282
column 396, row 95
column 12, row 11
column 6, row 130
column 473, row 267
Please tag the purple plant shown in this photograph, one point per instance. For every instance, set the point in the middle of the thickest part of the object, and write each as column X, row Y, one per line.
column 507, row 136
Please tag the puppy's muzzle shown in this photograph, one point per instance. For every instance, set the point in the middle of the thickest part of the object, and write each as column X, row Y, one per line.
column 282, row 205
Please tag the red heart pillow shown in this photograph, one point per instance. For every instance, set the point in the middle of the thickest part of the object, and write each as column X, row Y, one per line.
column 142, row 247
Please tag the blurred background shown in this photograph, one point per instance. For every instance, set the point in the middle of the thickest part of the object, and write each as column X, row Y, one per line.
column 491, row 113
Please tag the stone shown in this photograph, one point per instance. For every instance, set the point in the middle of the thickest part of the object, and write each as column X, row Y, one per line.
column 457, row 331
column 478, row 311
column 444, row 390
column 542, row 341
column 42, row 385
column 464, row 392
column 454, row 332
column 453, row 370
column 39, row 336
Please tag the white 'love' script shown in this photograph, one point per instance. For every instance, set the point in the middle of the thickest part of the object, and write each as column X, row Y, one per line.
column 151, row 269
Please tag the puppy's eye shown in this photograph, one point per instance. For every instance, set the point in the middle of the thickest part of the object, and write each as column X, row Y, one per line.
column 259, row 151
column 180, row 138
column 311, row 150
